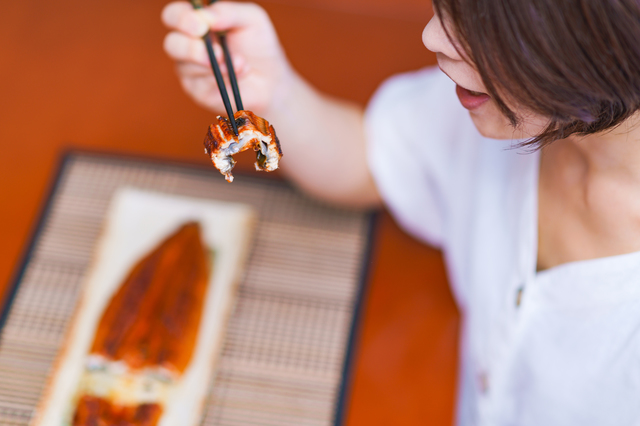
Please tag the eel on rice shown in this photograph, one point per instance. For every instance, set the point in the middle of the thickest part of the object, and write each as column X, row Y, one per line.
column 146, row 336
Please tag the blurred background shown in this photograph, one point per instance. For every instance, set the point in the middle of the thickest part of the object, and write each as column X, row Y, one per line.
column 93, row 75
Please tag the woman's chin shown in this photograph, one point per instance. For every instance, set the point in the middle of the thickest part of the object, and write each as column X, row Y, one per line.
column 493, row 126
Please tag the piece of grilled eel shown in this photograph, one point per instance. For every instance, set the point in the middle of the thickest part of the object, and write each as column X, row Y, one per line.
column 146, row 336
column 253, row 132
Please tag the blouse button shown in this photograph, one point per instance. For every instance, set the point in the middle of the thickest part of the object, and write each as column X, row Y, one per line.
column 519, row 296
column 483, row 382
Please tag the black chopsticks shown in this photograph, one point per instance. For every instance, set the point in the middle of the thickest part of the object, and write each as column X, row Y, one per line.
column 222, row 39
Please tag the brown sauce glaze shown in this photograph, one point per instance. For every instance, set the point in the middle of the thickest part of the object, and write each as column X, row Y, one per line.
column 254, row 132
column 96, row 411
column 153, row 318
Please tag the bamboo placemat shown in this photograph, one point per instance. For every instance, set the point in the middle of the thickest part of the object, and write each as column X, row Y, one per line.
column 285, row 355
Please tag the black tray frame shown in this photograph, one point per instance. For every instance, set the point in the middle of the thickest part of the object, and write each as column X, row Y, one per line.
column 341, row 406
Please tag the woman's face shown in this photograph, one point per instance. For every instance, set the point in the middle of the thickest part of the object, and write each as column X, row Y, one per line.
column 472, row 93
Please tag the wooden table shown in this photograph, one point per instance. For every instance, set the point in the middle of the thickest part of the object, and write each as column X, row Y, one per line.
column 93, row 75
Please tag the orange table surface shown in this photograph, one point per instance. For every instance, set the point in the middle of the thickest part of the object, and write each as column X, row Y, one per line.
column 93, row 75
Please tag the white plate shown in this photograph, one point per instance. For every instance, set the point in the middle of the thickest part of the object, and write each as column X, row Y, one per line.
column 136, row 222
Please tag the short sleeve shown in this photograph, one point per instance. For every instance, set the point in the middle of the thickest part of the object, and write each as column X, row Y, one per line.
column 415, row 127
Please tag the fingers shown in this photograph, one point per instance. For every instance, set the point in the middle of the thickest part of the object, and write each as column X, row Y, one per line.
column 182, row 17
column 193, row 69
column 203, row 90
column 183, row 48
column 225, row 15
column 220, row 16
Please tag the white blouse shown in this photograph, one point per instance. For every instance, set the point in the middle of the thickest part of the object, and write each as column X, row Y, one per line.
column 559, row 347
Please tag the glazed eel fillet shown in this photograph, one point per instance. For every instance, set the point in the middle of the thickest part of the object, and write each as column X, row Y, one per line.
column 253, row 132
column 146, row 336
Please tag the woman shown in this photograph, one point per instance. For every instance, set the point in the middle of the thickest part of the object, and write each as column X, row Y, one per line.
column 543, row 249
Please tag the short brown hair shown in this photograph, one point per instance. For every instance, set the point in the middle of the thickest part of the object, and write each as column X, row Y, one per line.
column 574, row 61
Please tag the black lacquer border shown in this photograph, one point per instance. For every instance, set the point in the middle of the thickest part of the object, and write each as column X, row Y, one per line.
column 340, row 414
column 27, row 253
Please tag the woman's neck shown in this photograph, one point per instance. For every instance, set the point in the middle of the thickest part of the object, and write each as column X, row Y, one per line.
column 589, row 196
column 615, row 154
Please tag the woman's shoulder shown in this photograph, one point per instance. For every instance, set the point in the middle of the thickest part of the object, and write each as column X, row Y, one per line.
column 424, row 88
column 418, row 113
column 426, row 155
column 417, row 140
column 420, row 108
column 427, row 77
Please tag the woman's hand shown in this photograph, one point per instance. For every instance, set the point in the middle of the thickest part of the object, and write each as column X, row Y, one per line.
column 261, row 66
column 322, row 137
